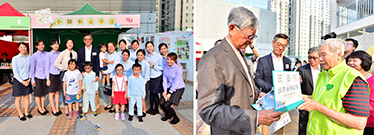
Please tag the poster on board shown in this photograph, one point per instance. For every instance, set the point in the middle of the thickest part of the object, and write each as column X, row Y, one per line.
column 165, row 40
column 182, row 46
column 287, row 90
column 43, row 16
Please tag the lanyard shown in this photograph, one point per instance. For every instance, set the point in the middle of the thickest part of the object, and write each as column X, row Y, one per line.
column 123, row 79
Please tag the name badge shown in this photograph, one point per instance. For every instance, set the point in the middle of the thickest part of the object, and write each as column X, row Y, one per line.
column 94, row 53
column 287, row 66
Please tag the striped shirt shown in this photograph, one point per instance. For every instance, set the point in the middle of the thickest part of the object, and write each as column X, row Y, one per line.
column 356, row 100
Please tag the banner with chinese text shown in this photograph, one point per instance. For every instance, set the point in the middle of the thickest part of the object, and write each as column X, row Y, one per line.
column 14, row 23
column 90, row 21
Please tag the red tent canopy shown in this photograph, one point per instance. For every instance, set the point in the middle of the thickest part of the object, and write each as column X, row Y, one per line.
column 14, row 32
column 8, row 10
column 11, row 48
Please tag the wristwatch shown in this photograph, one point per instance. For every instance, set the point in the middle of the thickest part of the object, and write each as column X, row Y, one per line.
column 252, row 47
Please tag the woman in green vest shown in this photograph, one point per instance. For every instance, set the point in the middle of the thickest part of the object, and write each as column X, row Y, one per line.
column 340, row 101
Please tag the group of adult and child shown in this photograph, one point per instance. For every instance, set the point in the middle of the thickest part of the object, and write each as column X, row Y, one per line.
column 127, row 76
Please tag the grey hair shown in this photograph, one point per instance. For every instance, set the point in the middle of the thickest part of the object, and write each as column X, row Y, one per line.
column 336, row 45
column 244, row 18
column 313, row 49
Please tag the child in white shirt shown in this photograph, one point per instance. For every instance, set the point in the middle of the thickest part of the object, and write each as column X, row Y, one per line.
column 72, row 87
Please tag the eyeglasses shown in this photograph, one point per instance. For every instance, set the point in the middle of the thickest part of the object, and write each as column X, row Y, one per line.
column 313, row 58
column 249, row 36
column 119, row 70
column 279, row 45
column 348, row 44
column 87, row 39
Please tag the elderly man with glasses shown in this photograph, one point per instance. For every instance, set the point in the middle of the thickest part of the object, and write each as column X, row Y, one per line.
column 226, row 89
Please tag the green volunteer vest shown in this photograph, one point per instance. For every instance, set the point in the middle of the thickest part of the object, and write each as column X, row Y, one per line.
column 331, row 87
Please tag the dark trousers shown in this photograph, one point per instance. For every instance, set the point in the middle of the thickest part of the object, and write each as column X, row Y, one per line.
column 369, row 131
column 303, row 122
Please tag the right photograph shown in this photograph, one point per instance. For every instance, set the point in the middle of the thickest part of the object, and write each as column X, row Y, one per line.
column 276, row 67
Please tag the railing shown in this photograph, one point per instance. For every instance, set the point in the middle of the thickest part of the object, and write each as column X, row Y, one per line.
column 354, row 10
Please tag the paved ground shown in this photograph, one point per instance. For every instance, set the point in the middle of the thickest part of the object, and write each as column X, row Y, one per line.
column 49, row 124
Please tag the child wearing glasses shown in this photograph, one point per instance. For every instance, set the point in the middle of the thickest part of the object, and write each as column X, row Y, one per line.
column 90, row 89
column 119, row 90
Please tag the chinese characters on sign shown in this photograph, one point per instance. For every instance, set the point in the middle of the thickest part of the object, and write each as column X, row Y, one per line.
column 69, row 21
column 90, row 21
column 112, row 21
column 58, row 21
column 101, row 21
column 287, row 90
column 80, row 21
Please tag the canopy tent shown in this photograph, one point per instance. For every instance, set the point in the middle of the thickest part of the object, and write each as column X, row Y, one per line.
column 87, row 9
column 10, row 24
column 11, row 48
column 70, row 26
column 7, row 10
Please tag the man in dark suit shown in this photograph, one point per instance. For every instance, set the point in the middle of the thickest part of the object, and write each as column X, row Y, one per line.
column 90, row 53
column 309, row 74
column 226, row 89
column 274, row 61
column 268, row 63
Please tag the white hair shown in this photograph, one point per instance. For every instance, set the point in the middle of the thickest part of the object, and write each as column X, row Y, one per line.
column 243, row 17
column 336, row 45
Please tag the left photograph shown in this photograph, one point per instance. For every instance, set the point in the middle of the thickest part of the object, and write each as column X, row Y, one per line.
column 97, row 67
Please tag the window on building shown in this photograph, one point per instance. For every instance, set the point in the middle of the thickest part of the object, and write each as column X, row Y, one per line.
column 370, row 29
column 355, row 33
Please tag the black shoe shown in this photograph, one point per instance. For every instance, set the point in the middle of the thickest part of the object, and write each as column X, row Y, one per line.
column 59, row 112
column 23, row 118
column 130, row 118
column 175, row 120
column 55, row 114
column 149, row 111
column 29, row 116
column 44, row 113
column 140, row 119
column 144, row 114
column 107, row 108
column 166, row 118
column 111, row 111
column 154, row 112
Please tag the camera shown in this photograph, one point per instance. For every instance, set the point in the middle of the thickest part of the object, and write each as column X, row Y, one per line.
column 329, row 35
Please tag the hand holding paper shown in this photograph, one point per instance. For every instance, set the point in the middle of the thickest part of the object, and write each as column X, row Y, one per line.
column 267, row 117
column 308, row 104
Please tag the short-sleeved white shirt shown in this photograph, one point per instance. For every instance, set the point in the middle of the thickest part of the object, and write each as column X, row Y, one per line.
column 72, row 81
column 103, row 56
column 119, row 83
